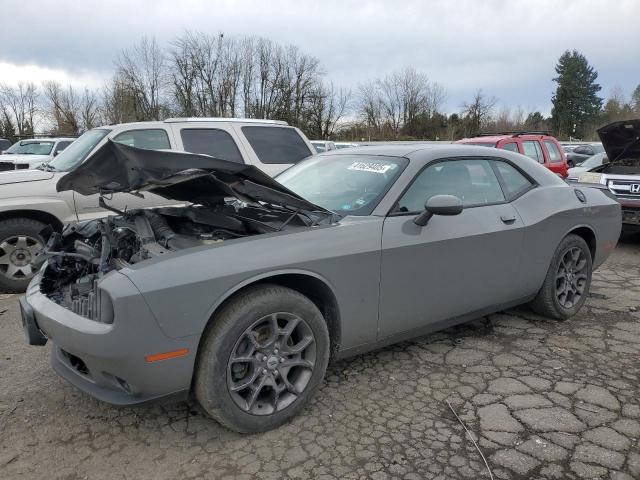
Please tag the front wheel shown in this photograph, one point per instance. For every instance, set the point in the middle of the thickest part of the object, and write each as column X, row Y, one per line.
column 20, row 241
column 262, row 359
column 568, row 279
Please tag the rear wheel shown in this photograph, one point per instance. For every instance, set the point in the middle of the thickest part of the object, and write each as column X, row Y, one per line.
column 262, row 359
column 568, row 279
column 20, row 241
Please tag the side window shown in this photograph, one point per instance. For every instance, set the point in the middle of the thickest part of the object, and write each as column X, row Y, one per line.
column 554, row 153
column 533, row 150
column 473, row 181
column 152, row 139
column 514, row 182
column 211, row 141
column 513, row 146
column 61, row 146
column 276, row 144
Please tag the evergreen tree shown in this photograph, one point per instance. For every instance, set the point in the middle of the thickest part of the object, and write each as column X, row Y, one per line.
column 635, row 101
column 576, row 103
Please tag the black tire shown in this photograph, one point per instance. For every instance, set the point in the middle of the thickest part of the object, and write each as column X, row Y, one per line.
column 221, row 340
column 11, row 229
column 547, row 302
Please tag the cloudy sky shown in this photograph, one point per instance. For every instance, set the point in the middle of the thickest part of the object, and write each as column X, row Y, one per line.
column 507, row 47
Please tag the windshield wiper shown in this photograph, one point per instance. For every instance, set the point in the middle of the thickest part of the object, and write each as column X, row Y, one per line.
column 46, row 167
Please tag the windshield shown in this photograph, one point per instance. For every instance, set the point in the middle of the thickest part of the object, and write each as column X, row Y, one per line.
column 594, row 161
column 30, row 147
column 346, row 184
column 75, row 153
column 318, row 146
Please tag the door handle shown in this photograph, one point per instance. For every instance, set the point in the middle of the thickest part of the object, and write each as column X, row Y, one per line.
column 508, row 219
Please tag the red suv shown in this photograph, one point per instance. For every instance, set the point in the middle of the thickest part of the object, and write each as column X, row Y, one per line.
column 543, row 148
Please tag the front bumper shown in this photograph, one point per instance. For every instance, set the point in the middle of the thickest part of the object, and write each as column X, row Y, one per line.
column 107, row 361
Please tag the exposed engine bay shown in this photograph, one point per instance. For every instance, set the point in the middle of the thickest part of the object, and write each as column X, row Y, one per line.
column 625, row 166
column 83, row 253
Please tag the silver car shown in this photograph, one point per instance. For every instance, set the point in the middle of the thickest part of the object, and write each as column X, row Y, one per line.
column 244, row 294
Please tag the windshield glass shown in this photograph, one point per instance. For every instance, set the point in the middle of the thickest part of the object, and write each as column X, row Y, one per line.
column 30, row 147
column 346, row 184
column 594, row 161
column 75, row 153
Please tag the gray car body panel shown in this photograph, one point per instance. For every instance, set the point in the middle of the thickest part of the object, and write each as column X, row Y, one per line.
column 391, row 279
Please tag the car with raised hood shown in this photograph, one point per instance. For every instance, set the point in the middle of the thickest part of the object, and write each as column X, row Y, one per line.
column 29, row 201
column 28, row 154
column 243, row 294
column 620, row 172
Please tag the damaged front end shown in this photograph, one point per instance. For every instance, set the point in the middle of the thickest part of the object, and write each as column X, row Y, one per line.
column 83, row 253
column 224, row 201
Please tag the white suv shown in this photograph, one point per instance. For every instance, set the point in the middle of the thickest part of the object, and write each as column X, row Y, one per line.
column 26, row 154
column 29, row 200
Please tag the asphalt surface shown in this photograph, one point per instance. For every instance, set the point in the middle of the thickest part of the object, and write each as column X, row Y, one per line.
column 543, row 399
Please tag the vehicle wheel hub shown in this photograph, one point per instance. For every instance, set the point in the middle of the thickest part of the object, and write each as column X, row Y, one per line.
column 16, row 254
column 271, row 363
column 571, row 278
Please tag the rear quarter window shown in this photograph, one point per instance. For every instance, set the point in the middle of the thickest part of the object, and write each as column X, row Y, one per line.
column 211, row 141
column 554, row 153
column 281, row 145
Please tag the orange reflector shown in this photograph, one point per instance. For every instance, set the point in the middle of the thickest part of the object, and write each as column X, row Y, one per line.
column 166, row 355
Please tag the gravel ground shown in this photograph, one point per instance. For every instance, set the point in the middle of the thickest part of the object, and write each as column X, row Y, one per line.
column 543, row 399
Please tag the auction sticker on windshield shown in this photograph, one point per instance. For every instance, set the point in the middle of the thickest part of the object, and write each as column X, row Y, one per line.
column 374, row 167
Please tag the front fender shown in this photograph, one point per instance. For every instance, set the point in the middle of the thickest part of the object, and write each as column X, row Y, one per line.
column 57, row 207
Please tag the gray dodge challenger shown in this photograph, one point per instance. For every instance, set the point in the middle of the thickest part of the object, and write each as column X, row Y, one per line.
column 243, row 289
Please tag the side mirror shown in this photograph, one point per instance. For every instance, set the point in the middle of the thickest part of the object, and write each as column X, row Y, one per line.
column 605, row 160
column 439, row 205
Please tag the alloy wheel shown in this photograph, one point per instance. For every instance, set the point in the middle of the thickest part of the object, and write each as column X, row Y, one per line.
column 571, row 277
column 271, row 364
column 16, row 254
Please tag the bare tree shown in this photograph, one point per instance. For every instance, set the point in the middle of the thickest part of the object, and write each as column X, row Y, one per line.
column 326, row 107
column 141, row 68
column 477, row 112
column 64, row 108
column 20, row 103
column 400, row 101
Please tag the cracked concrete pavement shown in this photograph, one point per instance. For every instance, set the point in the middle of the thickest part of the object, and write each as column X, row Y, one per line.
column 543, row 399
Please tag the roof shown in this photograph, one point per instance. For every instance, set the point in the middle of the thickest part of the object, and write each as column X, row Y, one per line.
column 224, row 119
column 47, row 139
column 491, row 138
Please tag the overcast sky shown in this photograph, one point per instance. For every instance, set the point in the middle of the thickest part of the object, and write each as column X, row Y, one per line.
column 508, row 48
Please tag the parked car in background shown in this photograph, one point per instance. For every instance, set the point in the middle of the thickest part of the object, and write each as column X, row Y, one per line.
column 29, row 200
column 539, row 146
column 322, row 146
column 591, row 162
column 345, row 145
column 4, row 145
column 580, row 153
column 244, row 301
column 28, row 154
column 620, row 172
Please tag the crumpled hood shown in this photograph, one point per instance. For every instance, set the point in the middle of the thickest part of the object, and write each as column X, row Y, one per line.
column 175, row 175
column 20, row 176
column 621, row 140
column 17, row 158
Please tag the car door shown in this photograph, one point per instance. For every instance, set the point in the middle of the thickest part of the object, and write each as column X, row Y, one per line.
column 87, row 207
column 454, row 265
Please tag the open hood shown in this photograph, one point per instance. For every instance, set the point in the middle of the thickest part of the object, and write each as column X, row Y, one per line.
column 621, row 140
column 175, row 175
